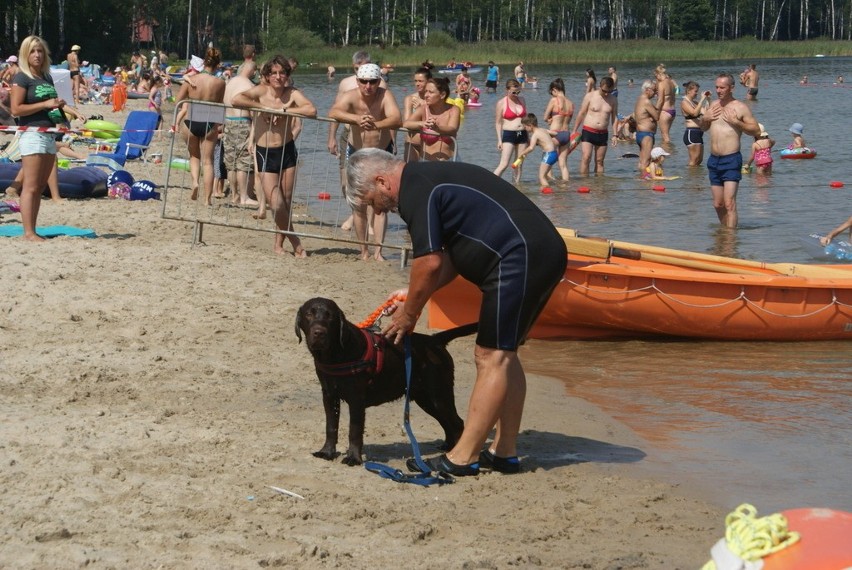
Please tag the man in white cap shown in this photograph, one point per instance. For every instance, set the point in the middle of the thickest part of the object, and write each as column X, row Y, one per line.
column 74, row 67
column 373, row 114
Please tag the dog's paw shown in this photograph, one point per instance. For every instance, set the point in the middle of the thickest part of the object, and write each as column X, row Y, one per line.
column 351, row 460
column 325, row 454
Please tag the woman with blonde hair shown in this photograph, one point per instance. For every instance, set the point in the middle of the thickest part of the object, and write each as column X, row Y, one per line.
column 35, row 102
column 436, row 120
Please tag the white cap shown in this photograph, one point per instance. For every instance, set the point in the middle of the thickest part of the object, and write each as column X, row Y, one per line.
column 657, row 152
column 368, row 71
column 196, row 63
column 12, row 59
column 75, row 47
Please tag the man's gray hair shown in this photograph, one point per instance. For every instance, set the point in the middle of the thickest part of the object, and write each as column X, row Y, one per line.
column 360, row 57
column 648, row 84
column 361, row 171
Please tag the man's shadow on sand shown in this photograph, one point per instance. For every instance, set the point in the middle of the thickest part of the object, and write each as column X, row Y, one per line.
column 542, row 450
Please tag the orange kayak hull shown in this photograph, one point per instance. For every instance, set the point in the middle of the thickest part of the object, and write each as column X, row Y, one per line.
column 625, row 298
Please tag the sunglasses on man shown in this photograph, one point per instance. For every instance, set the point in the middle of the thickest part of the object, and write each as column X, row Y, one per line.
column 366, row 81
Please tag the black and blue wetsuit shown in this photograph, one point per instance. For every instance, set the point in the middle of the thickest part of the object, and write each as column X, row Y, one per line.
column 494, row 235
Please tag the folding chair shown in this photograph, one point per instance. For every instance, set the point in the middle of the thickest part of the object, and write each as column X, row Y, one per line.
column 133, row 143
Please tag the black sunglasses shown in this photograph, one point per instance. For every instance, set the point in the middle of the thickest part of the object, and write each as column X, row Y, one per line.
column 370, row 81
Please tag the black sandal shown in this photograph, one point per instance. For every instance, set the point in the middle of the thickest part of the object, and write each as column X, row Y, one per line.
column 441, row 464
column 501, row 464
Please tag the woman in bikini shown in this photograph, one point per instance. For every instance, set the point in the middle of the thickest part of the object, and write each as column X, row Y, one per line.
column 666, row 96
column 273, row 137
column 410, row 104
column 693, row 136
column 558, row 114
column 591, row 80
column 201, row 136
column 511, row 136
column 437, row 121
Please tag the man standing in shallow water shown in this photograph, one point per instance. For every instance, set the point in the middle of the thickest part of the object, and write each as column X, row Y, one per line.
column 726, row 119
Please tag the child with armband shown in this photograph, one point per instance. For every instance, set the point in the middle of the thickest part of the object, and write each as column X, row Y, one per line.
column 538, row 137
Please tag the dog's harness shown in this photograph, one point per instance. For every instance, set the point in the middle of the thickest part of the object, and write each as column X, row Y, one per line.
column 371, row 362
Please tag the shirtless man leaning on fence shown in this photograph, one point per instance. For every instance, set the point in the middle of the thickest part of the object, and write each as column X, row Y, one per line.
column 275, row 147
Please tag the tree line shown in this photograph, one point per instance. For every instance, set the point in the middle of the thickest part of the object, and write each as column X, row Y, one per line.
column 109, row 30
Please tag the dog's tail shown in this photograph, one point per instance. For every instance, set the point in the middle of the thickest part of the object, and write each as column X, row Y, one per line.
column 446, row 336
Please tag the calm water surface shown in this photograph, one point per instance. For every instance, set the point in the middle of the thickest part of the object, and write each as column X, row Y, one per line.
column 767, row 423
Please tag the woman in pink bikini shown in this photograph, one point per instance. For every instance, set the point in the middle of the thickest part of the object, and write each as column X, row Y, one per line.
column 511, row 136
column 437, row 121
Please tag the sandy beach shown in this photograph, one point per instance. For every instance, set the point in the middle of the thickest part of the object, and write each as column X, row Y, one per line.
column 153, row 391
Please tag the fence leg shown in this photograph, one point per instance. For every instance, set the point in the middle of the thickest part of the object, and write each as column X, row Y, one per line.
column 198, row 233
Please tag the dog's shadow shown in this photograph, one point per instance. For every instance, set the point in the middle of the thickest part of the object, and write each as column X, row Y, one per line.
column 540, row 450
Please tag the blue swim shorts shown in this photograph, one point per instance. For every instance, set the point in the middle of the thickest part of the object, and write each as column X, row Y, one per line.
column 549, row 157
column 726, row 168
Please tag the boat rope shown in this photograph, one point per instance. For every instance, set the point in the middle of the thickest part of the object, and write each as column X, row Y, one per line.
column 742, row 297
column 750, row 538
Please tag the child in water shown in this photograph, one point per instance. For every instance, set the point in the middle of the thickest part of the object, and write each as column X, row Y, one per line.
column 654, row 170
column 798, row 139
column 761, row 153
column 539, row 137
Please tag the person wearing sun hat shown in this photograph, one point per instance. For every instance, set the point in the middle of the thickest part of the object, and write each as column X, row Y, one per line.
column 654, row 170
column 798, row 140
column 73, row 60
column 761, row 153
column 372, row 112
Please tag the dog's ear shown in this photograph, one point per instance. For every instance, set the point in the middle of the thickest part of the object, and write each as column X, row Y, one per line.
column 298, row 328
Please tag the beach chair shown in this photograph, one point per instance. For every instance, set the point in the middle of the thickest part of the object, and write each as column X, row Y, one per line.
column 12, row 152
column 134, row 141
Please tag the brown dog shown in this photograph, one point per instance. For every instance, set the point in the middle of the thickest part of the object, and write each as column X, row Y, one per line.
column 360, row 368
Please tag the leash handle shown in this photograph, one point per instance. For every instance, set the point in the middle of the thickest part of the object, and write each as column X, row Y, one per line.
column 425, row 477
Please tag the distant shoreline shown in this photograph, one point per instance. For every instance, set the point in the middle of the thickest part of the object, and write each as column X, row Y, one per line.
column 570, row 53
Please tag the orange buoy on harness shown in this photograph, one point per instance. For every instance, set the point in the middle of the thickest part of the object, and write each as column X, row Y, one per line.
column 824, row 545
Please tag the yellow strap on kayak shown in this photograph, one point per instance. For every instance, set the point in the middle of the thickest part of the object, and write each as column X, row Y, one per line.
column 752, row 538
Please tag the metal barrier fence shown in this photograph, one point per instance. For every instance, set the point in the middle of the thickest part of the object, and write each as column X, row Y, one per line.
column 318, row 206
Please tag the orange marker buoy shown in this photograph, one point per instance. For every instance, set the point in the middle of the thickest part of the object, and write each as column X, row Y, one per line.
column 824, row 543
column 836, row 184
column 659, row 188
column 324, row 196
column 547, row 190
column 583, row 190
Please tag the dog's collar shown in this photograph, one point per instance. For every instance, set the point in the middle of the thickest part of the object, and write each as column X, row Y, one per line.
column 371, row 362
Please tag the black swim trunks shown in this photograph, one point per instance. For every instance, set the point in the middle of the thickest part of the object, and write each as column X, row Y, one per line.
column 494, row 235
column 276, row 158
column 200, row 129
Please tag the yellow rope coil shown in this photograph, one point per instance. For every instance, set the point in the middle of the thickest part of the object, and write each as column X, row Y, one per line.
column 752, row 538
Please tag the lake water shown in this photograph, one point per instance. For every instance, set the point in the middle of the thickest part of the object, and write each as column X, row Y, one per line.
column 767, row 423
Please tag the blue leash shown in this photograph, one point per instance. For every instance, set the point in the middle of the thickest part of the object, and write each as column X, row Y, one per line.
column 425, row 478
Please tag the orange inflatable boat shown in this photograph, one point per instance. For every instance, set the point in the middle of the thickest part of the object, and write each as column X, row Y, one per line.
column 616, row 289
